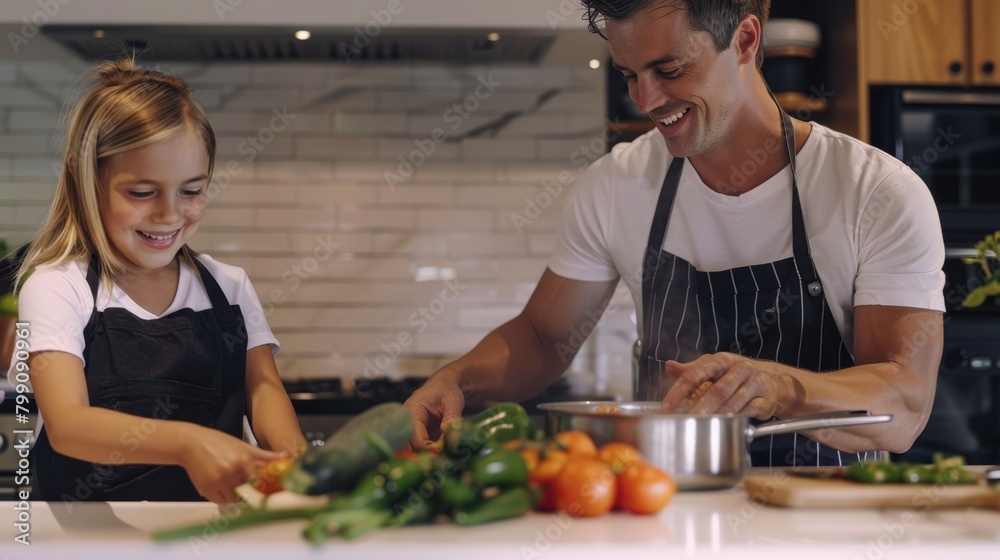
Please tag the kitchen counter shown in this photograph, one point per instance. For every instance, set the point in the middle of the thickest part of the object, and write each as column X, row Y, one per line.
column 724, row 523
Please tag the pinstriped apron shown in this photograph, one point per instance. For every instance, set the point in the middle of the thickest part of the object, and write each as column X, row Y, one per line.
column 772, row 311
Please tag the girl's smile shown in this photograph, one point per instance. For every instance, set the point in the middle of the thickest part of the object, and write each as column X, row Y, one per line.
column 154, row 199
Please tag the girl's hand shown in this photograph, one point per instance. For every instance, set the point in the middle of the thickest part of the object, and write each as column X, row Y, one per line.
column 218, row 462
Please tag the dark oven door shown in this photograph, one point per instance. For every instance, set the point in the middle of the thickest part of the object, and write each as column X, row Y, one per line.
column 949, row 136
column 965, row 419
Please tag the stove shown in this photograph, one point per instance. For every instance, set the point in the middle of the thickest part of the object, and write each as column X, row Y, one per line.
column 10, row 452
column 323, row 406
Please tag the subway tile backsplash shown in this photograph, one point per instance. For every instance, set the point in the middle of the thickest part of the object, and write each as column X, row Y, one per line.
column 375, row 207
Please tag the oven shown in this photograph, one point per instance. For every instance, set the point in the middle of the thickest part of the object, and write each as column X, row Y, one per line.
column 12, row 444
column 950, row 136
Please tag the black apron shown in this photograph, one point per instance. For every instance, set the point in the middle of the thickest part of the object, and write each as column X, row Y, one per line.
column 188, row 366
column 772, row 311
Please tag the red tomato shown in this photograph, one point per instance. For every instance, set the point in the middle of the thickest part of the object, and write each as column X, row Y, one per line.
column 644, row 489
column 576, row 443
column 584, row 488
column 549, row 467
column 619, row 456
column 268, row 479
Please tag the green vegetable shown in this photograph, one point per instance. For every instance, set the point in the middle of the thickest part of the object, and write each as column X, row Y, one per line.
column 919, row 474
column 944, row 470
column 500, row 468
column 496, row 425
column 876, row 472
column 411, row 511
column 346, row 457
column 245, row 518
column 366, row 523
column 389, row 481
column 459, row 492
column 512, row 503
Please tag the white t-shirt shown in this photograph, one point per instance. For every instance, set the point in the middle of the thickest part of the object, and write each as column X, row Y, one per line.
column 873, row 229
column 56, row 303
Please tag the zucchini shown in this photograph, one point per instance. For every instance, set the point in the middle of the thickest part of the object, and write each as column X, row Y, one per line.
column 346, row 456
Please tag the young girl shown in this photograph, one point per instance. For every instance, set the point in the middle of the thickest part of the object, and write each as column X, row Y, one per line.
column 144, row 356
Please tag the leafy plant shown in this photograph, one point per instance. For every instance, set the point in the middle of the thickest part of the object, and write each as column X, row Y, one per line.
column 986, row 257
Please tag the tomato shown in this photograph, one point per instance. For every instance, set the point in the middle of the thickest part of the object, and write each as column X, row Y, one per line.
column 644, row 489
column 547, row 502
column 549, row 467
column 576, row 443
column 584, row 488
column 268, row 479
column 619, row 456
column 406, row 454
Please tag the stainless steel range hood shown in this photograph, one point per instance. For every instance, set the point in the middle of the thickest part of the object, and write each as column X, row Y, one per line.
column 238, row 43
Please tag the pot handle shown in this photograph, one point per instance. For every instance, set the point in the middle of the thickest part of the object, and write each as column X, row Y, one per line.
column 838, row 419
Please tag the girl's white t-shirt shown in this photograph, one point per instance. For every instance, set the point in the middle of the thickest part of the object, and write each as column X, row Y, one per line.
column 56, row 304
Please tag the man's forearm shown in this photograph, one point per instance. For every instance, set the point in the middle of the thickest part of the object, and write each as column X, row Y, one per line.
column 880, row 388
column 492, row 371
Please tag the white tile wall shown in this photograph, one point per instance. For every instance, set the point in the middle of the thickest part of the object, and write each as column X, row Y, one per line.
column 346, row 221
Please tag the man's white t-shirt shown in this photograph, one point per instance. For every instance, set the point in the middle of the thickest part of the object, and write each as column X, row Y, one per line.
column 873, row 228
column 56, row 303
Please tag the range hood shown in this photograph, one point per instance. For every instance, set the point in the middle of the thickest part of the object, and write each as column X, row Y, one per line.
column 242, row 43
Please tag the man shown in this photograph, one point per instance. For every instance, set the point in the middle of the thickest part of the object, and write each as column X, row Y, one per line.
column 796, row 269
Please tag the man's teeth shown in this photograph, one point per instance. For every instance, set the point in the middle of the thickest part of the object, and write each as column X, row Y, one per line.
column 673, row 118
column 159, row 237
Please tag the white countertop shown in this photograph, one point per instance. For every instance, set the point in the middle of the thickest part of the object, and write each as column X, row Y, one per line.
column 722, row 523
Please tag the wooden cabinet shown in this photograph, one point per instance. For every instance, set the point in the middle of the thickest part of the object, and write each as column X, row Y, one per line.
column 930, row 41
column 985, row 68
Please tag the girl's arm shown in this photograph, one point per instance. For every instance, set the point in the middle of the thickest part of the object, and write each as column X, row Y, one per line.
column 215, row 461
column 270, row 411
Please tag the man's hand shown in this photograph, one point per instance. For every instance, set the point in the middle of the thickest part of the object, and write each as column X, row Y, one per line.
column 738, row 385
column 433, row 406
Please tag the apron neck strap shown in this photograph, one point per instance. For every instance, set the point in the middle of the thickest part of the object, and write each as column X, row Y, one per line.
column 220, row 304
column 800, row 242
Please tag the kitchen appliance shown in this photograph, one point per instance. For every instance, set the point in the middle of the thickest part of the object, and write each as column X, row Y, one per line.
column 324, row 405
column 950, row 137
column 10, row 442
column 701, row 451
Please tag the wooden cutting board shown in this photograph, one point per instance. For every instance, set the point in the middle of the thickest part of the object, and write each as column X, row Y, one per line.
column 789, row 490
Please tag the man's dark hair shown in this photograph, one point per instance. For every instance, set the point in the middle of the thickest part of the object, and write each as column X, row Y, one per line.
column 718, row 18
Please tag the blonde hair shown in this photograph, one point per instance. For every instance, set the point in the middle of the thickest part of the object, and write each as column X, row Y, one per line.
column 127, row 108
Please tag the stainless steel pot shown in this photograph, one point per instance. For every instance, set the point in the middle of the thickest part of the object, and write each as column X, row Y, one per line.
column 700, row 451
